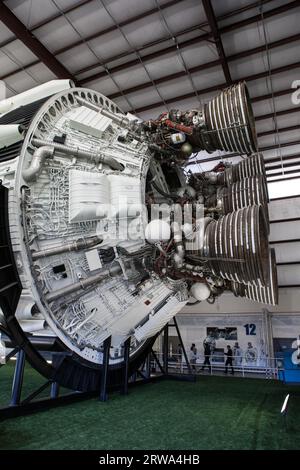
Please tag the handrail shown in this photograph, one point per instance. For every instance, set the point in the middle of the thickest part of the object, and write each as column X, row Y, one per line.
column 266, row 367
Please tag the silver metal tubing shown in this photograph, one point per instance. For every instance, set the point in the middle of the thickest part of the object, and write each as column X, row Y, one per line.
column 37, row 162
column 112, row 271
column 77, row 152
column 77, row 245
column 179, row 247
column 120, row 120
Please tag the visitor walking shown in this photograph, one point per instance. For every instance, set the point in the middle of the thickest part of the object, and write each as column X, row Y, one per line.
column 207, row 352
column 193, row 356
column 238, row 354
column 228, row 362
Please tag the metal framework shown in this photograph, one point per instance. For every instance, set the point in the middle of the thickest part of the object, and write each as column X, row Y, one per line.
column 200, row 38
column 22, row 33
column 214, row 35
column 217, row 38
column 19, row 406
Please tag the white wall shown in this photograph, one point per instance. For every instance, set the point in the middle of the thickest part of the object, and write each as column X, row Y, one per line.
column 193, row 329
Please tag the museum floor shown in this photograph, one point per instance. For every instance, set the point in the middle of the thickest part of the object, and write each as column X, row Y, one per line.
column 214, row 413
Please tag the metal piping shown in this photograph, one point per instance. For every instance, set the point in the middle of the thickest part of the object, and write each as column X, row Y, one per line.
column 172, row 196
column 179, row 247
column 77, row 152
column 36, row 165
column 2, row 318
column 120, row 120
column 113, row 271
column 77, row 245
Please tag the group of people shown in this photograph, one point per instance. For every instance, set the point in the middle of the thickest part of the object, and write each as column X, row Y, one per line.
column 234, row 355
column 207, row 354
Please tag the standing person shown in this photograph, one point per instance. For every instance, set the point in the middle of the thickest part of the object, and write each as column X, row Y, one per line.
column 228, row 362
column 207, row 352
column 238, row 354
column 179, row 355
column 193, row 356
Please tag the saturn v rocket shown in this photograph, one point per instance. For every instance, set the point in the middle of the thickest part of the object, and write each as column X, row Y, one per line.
column 105, row 234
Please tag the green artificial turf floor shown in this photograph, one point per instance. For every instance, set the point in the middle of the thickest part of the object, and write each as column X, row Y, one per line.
column 214, row 413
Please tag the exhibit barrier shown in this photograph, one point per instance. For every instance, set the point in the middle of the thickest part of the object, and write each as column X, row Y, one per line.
column 266, row 368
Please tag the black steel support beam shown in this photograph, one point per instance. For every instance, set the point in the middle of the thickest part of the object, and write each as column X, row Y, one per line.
column 283, row 173
column 30, row 41
column 283, row 112
column 124, row 387
column 281, row 221
column 82, row 3
column 257, row 18
column 277, row 70
column 166, row 78
column 157, row 362
column 36, row 393
column 284, row 198
column 289, row 286
column 279, row 242
column 175, row 76
column 182, row 345
column 282, row 129
column 268, row 96
column 210, row 15
column 284, row 179
column 148, row 366
column 288, row 263
column 282, row 165
column 291, row 156
column 166, row 349
column 198, row 39
column 49, row 20
column 18, row 379
column 104, row 372
column 121, row 24
column 183, row 44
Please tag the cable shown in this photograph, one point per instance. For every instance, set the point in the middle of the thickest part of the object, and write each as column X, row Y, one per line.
column 174, row 39
column 94, row 53
column 137, row 53
column 277, row 137
column 163, row 193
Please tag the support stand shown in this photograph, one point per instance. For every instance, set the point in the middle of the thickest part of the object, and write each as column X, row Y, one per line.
column 163, row 366
column 20, row 407
column 166, row 348
column 148, row 366
column 124, row 388
column 18, row 379
column 54, row 392
column 104, row 375
column 183, row 348
column 28, row 405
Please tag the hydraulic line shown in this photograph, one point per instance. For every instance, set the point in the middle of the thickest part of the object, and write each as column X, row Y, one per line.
column 77, row 152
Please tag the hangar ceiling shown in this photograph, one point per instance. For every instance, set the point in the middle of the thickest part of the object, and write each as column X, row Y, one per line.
column 153, row 55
